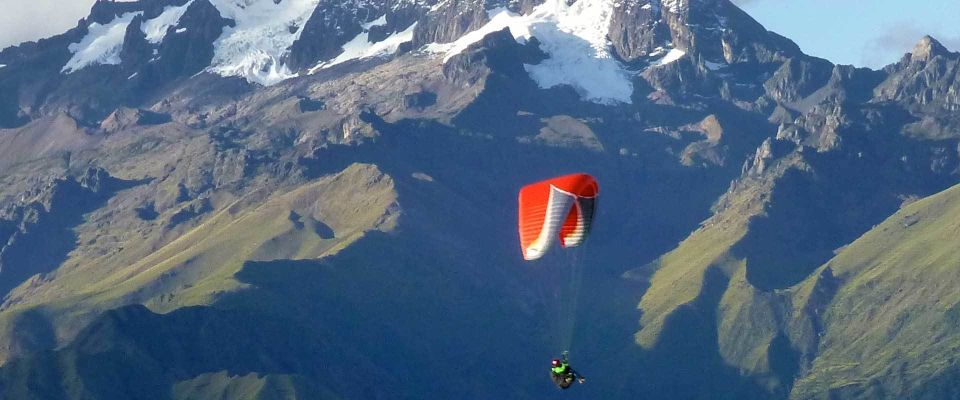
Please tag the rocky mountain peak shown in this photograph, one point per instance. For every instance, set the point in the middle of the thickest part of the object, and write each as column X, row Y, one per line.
column 716, row 31
column 926, row 79
column 927, row 48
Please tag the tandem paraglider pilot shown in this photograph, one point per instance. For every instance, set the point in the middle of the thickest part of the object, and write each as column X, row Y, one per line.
column 564, row 376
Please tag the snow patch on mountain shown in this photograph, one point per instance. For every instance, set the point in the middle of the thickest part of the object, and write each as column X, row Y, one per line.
column 714, row 66
column 156, row 29
column 575, row 38
column 255, row 47
column 499, row 18
column 360, row 46
column 101, row 45
column 674, row 6
column 377, row 22
column 672, row 55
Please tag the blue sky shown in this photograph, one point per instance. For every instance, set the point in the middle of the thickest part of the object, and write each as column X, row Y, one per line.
column 869, row 33
column 23, row 20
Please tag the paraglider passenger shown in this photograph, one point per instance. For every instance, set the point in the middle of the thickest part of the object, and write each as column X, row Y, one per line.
column 564, row 376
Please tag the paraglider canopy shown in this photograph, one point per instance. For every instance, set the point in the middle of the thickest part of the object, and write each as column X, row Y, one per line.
column 558, row 209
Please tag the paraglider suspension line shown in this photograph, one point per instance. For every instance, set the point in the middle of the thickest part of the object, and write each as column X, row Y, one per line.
column 571, row 298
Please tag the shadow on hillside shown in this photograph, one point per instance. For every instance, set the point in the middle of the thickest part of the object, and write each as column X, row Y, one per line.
column 809, row 217
column 68, row 202
column 131, row 352
column 31, row 331
column 685, row 362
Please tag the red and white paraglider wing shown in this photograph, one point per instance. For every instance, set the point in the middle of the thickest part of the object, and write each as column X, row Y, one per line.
column 556, row 209
column 577, row 226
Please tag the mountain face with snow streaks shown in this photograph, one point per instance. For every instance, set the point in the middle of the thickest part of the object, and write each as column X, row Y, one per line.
column 311, row 199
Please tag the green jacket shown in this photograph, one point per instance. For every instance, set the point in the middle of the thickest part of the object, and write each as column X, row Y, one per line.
column 563, row 368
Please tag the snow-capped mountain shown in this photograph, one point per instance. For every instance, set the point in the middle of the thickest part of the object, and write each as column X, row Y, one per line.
column 597, row 47
column 263, row 41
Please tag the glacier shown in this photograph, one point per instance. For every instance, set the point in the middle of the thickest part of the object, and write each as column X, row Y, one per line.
column 360, row 46
column 101, row 45
column 156, row 29
column 254, row 48
column 574, row 36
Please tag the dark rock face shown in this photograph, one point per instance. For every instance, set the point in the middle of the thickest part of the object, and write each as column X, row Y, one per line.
column 636, row 30
column 104, row 11
column 420, row 100
column 333, row 23
column 714, row 30
column 307, row 104
column 450, row 21
column 10, row 113
column 498, row 51
column 136, row 50
column 184, row 54
column 850, row 84
column 126, row 118
column 797, row 78
column 44, row 219
column 926, row 82
column 330, row 26
column 187, row 47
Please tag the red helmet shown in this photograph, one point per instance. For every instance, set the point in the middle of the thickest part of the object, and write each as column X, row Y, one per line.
column 555, row 362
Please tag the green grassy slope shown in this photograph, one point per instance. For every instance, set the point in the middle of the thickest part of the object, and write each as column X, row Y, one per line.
column 878, row 320
column 680, row 274
column 739, row 274
column 311, row 221
column 892, row 328
column 699, row 298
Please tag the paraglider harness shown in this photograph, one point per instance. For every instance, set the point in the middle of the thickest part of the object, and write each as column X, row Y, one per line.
column 561, row 373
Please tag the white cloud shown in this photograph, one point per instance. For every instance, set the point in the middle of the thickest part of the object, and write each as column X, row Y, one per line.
column 28, row 20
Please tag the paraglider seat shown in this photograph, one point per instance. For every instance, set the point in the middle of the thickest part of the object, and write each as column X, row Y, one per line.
column 563, row 381
column 562, row 375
